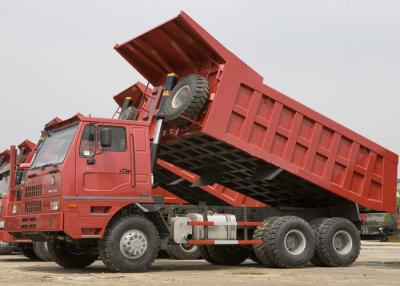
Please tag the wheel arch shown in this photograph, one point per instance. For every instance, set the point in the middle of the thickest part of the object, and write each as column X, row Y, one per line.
column 148, row 212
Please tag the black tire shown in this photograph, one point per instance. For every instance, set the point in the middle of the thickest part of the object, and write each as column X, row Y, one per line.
column 127, row 227
column 183, row 252
column 259, row 249
column 41, row 251
column 314, row 225
column 288, row 242
column 228, row 254
column 63, row 256
column 326, row 253
column 206, row 254
column 187, row 99
column 27, row 250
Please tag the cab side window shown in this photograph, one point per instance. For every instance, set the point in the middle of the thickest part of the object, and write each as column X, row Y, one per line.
column 118, row 143
column 88, row 141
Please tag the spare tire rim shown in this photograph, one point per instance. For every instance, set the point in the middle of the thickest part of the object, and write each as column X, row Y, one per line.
column 180, row 96
column 188, row 247
column 342, row 242
column 133, row 244
column 295, row 242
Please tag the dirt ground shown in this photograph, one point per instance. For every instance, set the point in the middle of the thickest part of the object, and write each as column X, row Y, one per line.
column 378, row 264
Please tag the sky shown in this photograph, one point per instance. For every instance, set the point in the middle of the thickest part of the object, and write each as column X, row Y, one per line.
column 339, row 57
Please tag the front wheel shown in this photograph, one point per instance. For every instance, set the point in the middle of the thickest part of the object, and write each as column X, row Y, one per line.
column 63, row 255
column 130, row 244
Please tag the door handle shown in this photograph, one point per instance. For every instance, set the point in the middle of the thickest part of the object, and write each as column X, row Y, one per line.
column 124, row 171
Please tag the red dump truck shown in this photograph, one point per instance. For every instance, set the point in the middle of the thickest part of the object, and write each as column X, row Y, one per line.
column 90, row 185
column 17, row 159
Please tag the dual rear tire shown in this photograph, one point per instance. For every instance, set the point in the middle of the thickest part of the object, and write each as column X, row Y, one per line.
column 337, row 242
column 290, row 242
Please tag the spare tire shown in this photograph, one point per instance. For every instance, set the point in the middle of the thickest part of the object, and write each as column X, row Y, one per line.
column 187, row 100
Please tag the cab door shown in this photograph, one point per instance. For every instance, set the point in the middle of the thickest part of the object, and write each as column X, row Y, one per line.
column 104, row 171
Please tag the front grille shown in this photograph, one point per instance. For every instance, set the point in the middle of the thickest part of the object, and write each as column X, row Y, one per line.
column 33, row 191
column 31, row 207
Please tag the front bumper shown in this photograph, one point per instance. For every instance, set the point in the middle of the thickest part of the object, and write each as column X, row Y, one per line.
column 34, row 223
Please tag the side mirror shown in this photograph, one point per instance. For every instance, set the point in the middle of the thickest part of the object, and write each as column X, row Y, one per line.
column 105, row 137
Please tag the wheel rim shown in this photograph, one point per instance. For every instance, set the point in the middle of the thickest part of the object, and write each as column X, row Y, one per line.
column 342, row 242
column 133, row 244
column 188, row 247
column 180, row 96
column 295, row 242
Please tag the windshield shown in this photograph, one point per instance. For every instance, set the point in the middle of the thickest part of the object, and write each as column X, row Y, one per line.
column 55, row 147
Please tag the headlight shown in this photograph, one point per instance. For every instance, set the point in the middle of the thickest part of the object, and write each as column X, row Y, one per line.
column 14, row 209
column 54, row 205
column 381, row 228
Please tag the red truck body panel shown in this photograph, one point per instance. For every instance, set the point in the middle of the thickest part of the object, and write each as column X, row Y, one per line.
column 259, row 141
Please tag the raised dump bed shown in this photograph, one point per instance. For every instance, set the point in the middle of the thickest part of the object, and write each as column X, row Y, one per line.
column 254, row 139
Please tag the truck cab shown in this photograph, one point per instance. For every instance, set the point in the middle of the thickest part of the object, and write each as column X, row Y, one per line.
column 88, row 168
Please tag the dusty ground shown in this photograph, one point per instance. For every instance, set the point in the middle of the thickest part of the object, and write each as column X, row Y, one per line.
column 378, row 264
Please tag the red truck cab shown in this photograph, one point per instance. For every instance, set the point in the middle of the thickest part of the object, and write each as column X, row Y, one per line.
column 100, row 179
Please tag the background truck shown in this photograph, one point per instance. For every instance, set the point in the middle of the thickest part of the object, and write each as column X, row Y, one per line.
column 222, row 123
column 19, row 160
column 379, row 226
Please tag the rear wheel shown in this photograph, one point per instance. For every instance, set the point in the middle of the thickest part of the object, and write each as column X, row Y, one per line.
column 288, row 242
column 27, row 250
column 183, row 251
column 131, row 244
column 41, row 250
column 63, row 255
column 259, row 249
column 337, row 242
